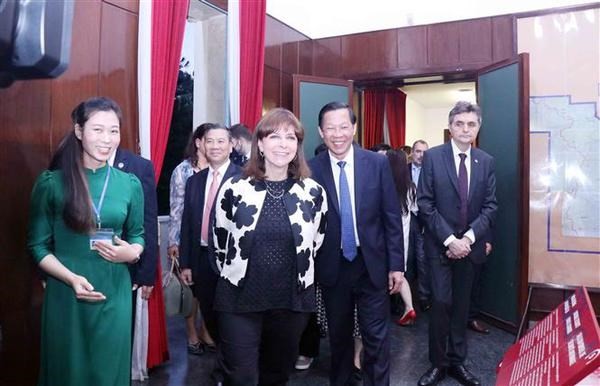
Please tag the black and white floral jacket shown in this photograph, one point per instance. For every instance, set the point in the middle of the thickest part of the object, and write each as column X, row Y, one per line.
column 237, row 209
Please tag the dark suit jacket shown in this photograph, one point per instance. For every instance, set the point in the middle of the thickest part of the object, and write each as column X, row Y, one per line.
column 439, row 200
column 144, row 271
column 191, row 220
column 378, row 218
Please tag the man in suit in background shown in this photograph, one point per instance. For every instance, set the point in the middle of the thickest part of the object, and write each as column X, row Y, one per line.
column 242, row 144
column 200, row 192
column 416, row 228
column 457, row 202
column 143, row 273
column 361, row 260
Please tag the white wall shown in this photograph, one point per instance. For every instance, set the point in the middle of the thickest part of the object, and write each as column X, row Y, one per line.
column 436, row 120
column 414, row 121
column 425, row 123
column 209, row 70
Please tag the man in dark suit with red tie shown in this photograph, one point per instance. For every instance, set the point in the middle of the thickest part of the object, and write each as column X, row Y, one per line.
column 200, row 192
column 457, row 203
column 361, row 260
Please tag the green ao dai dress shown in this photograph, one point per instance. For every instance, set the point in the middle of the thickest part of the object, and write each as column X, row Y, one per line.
column 85, row 343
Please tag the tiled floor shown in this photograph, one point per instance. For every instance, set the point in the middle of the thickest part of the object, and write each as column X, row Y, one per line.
column 409, row 359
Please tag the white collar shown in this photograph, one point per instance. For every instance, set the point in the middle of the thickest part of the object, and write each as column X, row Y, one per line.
column 349, row 158
column 456, row 151
column 221, row 169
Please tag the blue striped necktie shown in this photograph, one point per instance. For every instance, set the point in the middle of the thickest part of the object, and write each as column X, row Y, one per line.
column 348, row 240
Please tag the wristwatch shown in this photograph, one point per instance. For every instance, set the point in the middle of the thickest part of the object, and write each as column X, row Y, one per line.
column 137, row 258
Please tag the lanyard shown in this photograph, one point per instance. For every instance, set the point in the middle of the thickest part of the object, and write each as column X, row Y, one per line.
column 98, row 208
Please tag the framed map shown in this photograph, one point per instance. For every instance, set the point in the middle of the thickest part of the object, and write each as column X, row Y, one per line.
column 564, row 223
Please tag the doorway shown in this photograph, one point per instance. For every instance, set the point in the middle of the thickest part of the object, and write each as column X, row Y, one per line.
column 427, row 107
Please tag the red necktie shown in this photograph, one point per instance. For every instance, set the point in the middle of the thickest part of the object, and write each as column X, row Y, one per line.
column 208, row 204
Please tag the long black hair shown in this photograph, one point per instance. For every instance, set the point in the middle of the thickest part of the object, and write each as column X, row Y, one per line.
column 68, row 158
column 402, row 180
column 191, row 150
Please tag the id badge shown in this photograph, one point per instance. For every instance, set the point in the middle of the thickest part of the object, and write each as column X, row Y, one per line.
column 101, row 234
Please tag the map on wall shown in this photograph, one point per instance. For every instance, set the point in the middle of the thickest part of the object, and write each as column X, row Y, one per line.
column 564, row 146
column 573, row 131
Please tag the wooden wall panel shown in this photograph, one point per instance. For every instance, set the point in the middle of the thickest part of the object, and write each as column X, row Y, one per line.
column 413, row 51
column 383, row 55
column 80, row 81
column 129, row 5
column 287, row 91
column 271, row 88
column 305, row 52
column 287, row 52
column 442, row 44
column 24, row 139
column 118, row 68
column 412, row 47
column 369, row 52
column 273, row 39
column 475, row 41
column 327, row 57
column 289, row 57
column 503, row 38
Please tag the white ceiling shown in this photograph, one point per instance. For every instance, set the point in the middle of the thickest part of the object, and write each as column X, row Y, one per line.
column 324, row 18
column 440, row 95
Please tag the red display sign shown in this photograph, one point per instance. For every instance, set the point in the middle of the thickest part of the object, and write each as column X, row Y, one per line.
column 562, row 349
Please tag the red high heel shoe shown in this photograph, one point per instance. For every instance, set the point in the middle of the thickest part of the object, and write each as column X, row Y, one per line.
column 408, row 319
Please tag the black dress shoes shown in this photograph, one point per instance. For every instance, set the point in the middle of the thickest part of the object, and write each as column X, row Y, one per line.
column 478, row 326
column 432, row 376
column 463, row 376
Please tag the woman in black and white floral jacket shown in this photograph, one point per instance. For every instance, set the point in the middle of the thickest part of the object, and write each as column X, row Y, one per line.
column 269, row 225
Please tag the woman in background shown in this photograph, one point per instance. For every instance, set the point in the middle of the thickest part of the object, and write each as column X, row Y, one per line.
column 407, row 198
column 79, row 209
column 269, row 225
column 193, row 162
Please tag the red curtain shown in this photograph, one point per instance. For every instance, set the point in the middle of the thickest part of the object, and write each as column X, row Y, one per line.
column 158, row 344
column 395, row 111
column 374, row 107
column 168, row 25
column 252, row 59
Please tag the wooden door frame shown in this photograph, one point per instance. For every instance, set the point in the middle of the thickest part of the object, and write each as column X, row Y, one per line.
column 297, row 79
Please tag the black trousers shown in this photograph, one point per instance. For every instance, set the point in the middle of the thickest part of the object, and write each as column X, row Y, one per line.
column 475, row 292
column 311, row 338
column 422, row 263
column 451, row 284
column 205, row 286
column 354, row 286
column 259, row 348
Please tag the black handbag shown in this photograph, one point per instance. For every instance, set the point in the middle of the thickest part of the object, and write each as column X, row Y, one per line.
column 177, row 295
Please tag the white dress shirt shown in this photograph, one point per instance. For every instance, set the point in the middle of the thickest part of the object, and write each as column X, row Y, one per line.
column 222, row 169
column 349, row 168
column 415, row 173
column 455, row 155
